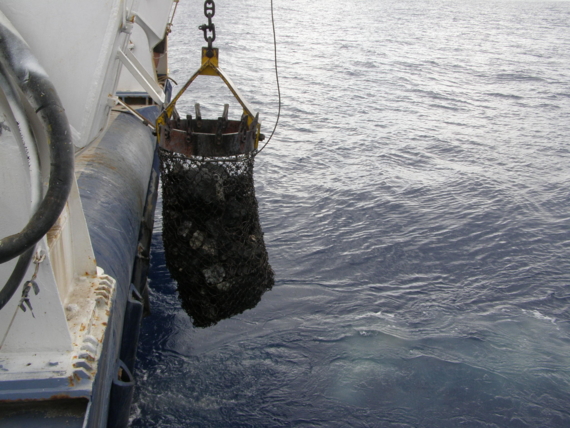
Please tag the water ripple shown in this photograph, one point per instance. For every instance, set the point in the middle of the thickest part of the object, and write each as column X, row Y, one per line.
column 416, row 211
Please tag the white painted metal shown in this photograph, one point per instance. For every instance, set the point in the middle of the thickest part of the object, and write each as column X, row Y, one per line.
column 19, row 172
column 152, row 16
column 151, row 19
column 139, row 47
column 78, row 51
column 66, row 367
column 55, row 348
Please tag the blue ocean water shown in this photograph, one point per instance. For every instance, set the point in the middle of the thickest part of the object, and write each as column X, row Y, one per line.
column 416, row 208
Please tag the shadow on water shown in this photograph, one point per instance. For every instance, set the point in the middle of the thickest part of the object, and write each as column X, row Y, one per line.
column 212, row 237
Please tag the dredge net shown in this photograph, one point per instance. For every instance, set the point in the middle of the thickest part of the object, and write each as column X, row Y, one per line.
column 212, row 236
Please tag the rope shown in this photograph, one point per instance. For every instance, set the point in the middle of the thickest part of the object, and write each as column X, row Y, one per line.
column 277, row 80
column 169, row 25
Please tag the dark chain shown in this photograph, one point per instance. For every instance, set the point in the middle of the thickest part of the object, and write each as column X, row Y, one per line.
column 209, row 11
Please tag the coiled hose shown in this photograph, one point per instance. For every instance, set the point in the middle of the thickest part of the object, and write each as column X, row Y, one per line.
column 18, row 65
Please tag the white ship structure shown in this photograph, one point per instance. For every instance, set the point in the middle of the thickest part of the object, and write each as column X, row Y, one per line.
column 78, row 186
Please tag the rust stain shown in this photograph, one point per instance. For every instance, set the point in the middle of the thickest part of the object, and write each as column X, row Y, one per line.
column 43, row 400
column 97, row 158
column 60, row 397
column 54, row 233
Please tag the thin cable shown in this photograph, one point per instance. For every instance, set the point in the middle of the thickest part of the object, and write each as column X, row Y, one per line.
column 277, row 80
column 169, row 25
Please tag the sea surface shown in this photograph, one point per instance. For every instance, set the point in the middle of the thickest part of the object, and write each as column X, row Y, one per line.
column 415, row 201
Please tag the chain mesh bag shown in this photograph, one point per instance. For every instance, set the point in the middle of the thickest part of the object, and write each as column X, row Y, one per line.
column 212, row 237
column 213, row 241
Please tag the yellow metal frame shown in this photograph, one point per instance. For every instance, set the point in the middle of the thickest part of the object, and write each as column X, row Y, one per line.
column 209, row 68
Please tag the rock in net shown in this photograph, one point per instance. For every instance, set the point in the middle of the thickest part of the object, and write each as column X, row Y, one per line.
column 212, row 236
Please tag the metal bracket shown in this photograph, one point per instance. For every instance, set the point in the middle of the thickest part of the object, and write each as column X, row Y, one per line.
column 147, row 81
column 133, row 111
column 210, row 68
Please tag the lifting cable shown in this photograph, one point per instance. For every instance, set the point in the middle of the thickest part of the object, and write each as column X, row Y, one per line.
column 210, row 67
column 276, row 79
column 209, row 12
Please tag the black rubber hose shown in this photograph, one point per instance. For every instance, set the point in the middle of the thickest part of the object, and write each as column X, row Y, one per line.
column 16, row 278
column 22, row 67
